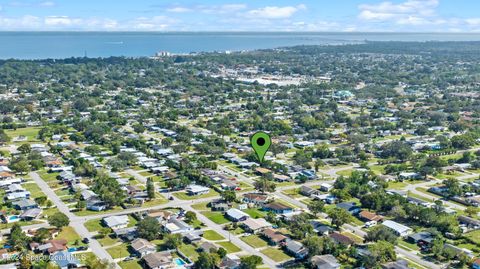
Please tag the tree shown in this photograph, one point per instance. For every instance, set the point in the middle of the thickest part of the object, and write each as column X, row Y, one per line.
column 317, row 245
column 25, row 261
column 41, row 235
column 18, row 239
column 229, row 196
column 149, row 228
column 190, row 216
column 4, row 138
column 58, row 220
column 138, row 128
column 316, row 206
column 103, row 232
column 264, row 185
column 167, row 141
column 380, row 252
column 339, row 216
column 20, row 165
column 172, row 241
column 25, row 148
column 250, row 262
column 206, row 261
column 453, row 187
column 108, row 190
column 472, row 211
column 222, row 252
column 150, row 189
column 381, row 233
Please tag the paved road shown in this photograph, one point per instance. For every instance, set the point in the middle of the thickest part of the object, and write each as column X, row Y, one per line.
column 76, row 222
column 27, row 227
column 233, row 238
column 137, row 175
column 413, row 189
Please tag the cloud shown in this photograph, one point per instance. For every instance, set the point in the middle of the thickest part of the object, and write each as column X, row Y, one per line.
column 275, row 12
column 179, row 10
column 410, row 10
column 157, row 23
column 47, row 4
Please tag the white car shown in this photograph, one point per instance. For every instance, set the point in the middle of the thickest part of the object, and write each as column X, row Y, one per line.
column 370, row 224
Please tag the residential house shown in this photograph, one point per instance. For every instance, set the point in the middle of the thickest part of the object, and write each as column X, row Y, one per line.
column 476, row 264
column 369, row 216
column 30, row 214
column 274, row 237
column 470, row 223
column 143, row 247
column 350, row 207
column 196, row 190
column 420, row 238
column 230, row 261
column 326, row 187
column 256, row 225
column 96, row 204
column 24, row 204
column 399, row 229
column 324, row 262
column 159, row 260
column 296, row 249
column 277, row 208
column 308, row 191
column 321, row 228
column 207, row 247
column 116, row 222
column 257, row 199
column 341, row 239
column 126, row 234
column 236, row 215
column 175, row 226
column 219, row 205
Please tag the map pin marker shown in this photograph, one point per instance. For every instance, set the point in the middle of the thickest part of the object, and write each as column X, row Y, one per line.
column 260, row 142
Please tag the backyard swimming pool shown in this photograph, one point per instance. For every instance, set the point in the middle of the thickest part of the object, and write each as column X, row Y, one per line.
column 179, row 262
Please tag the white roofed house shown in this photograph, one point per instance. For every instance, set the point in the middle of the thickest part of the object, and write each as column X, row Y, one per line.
column 196, row 190
column 175, row 226
column 143, row 247
column 116, row 222
column 236, row 215
column 399, row 229
column 256, row 225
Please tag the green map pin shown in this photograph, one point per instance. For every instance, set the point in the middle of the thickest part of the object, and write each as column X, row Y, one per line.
column 260, row 142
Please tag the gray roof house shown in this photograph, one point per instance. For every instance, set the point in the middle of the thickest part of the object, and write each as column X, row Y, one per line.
column 324, row 262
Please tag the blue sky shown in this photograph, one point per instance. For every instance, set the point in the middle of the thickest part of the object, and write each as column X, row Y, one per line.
column 242, row 15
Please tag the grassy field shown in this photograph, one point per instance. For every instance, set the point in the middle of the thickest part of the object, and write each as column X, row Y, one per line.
column 201, row 206
column 30, row 133
column 255, row 213
column 120, row 251
column 47, row 177
column 108, row 241
column 69, row 234
column 185, row 196
column 34, row 190
column 130, row 264
column 474, row 236
column 229, row 246
column 345, row 173
column 212, row 235
column 397, row 185
column 275, row 254
column 190, row 251
column 94, row 225
column 216, row 217
column 254, row 241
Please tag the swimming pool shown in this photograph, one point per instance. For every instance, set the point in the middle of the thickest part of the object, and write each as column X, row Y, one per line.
column 179, row 262
column 13, row 218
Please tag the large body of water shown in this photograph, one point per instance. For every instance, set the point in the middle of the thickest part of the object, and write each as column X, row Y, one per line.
column 40, row 45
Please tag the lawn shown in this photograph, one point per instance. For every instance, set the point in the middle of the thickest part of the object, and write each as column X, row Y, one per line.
column 48, row 176
column 345, row 173
column 69, row 234
column 108, row 241
column 30, row 133
column 212, row 235
column 474, row 236
column 120, row 251
column 229, row 246
column 190, row 251
column 146, row 174
column 130, row 264
column 294, row 193
column 94, row 225
column 201, row 206
column 275, row 254
column 34, row 190
column 255, row 213
column 159, row 200
column 408, row 245
column 397, row 185
column 185, row 196
column 216, row 217
column 254, row 241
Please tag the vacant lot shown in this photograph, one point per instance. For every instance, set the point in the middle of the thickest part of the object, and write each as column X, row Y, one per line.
column 254, row 241
column 275, row 254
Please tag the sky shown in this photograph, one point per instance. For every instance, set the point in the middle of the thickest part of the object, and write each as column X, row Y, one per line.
column 241, row 15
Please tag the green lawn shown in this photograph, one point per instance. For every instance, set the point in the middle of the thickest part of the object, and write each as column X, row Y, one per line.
column 30, row 133
column 185, row 196
column 201, row 206
column 94, row 225
column 120, row 251
column 474, row 236
column 397, row 185
column 108, row 241
column 255, row 213
column 48, row 176
column 159, row 200
column 34, row 190
column 146, row 174
column 212, row 235
column 130, row 264
column 190, row 251
column 229, row 246
column 275, row 254
column 69, row 234
column 345, row 173
column 216, row 217
column 254, row 241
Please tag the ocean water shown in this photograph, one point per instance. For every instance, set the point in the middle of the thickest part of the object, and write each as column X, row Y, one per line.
column 41, row 45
